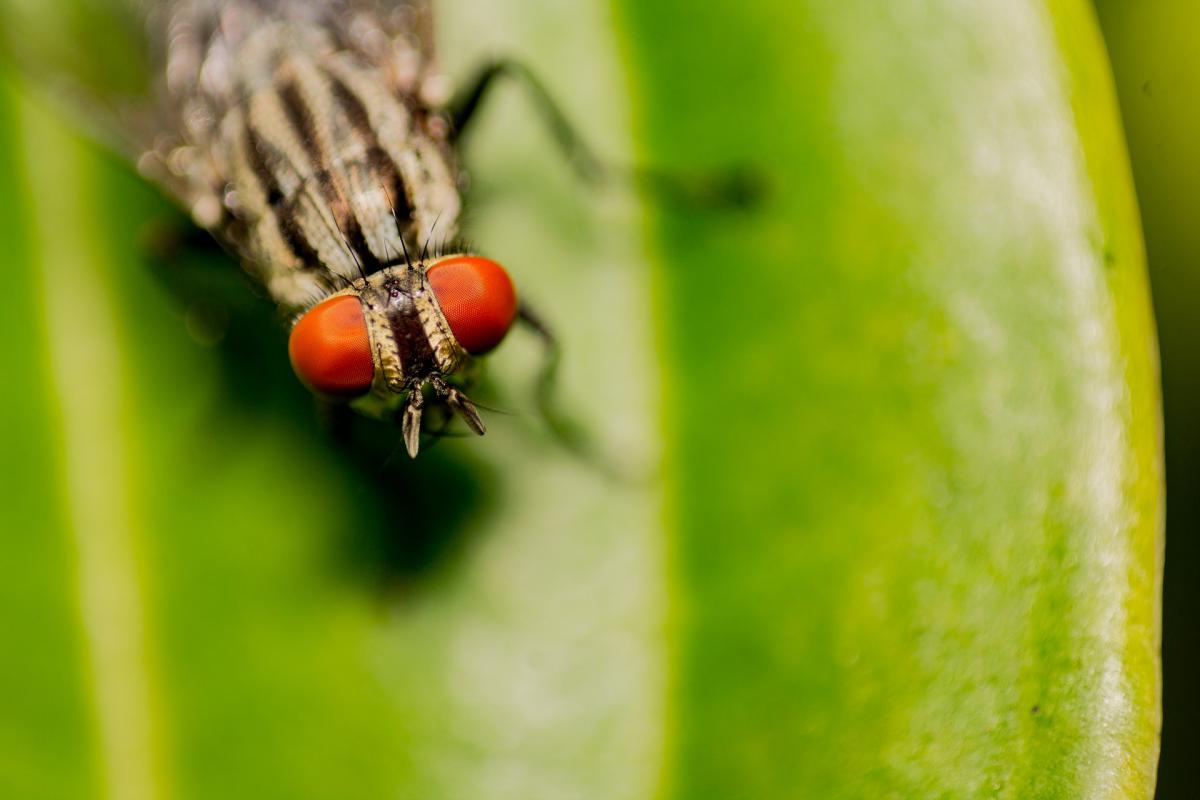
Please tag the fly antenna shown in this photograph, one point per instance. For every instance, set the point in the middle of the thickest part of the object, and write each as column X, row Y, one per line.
column 411, row 424
column 459, row 403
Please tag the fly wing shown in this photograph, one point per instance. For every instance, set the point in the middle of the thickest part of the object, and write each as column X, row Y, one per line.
column 298, row 132
column 152, row 80
column 100, row 64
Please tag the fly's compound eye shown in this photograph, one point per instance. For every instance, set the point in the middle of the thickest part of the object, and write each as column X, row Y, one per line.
column 478, row 299
column 331, row 349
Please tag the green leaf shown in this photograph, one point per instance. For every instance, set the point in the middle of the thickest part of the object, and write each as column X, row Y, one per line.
column 212, row 600
column 914, row 453
column 905, row 542
column 1158, row 81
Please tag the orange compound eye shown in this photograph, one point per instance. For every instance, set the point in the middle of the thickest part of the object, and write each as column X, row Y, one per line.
column 331, row 350
column 478, row 299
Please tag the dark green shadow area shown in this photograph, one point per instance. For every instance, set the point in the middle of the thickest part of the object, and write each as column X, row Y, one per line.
column 407, row 515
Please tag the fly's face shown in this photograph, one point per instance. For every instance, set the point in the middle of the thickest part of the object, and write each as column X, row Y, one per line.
column 381, row 341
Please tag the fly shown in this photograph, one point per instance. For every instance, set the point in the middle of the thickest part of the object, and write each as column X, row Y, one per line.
column 313, row 139
column 310, row 139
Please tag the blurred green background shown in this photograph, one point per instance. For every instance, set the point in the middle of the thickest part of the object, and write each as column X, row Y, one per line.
column 889, row 521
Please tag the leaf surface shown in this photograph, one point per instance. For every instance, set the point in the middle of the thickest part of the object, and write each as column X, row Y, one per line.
column 914, row 468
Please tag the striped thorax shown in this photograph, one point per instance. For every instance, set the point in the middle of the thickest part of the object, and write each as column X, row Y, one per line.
column 309, row 138
column 329, row 169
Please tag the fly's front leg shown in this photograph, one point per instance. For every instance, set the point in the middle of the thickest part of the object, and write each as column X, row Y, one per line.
column 464, row 107
column 732, row 188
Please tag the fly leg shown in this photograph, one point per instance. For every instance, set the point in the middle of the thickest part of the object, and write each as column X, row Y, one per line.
column 465, row 105
column 566, row 430
column 734, row 188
